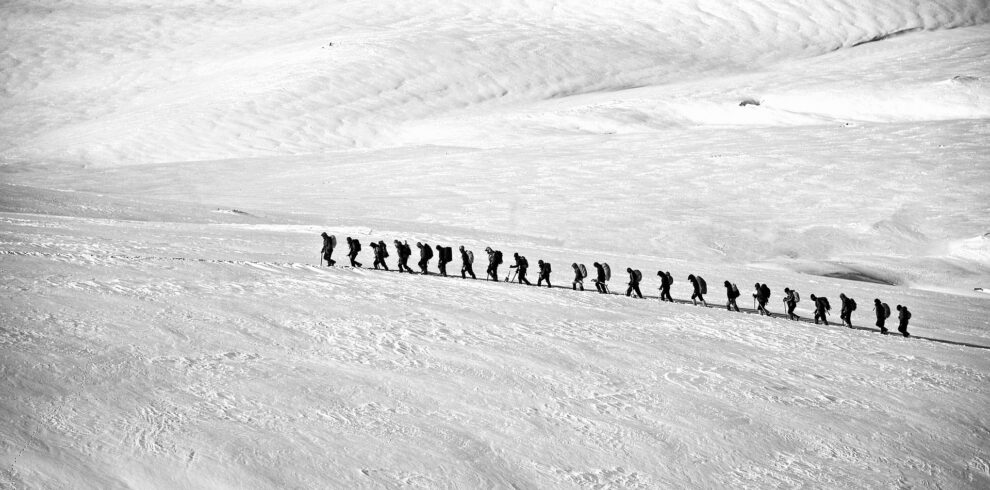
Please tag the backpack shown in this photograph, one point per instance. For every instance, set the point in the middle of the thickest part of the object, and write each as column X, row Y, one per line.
column 427, row 252
column 383, row 248
column 470, row 256
column 523, row 262
column 824, row 301
column 852, row 304
column 703, row 286
column 886, row 310
column 907, row 314
column 584, row 271
column 735, row 291
column 498, row 257
column 638, row 274
column 765, row 291
column 797, row 297
column 449, row 253
column 670, row 279
column 357, row 246
column 546, row 266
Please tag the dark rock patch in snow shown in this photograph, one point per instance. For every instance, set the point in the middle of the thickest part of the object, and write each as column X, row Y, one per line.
column 859, row 276
column 890, row 35
column 232, row 211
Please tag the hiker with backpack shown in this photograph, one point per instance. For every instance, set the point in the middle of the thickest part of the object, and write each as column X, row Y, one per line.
column 700, row 288
column 762, row 296
column 425, row 254
column 404, row 252
column 634, row 278
column 521, row 266
column 883, row 313
column 791, row 300
column 467, row 261
column 354, row 247
column 848, row 307
column 327, row 251
column 443, row 258
column 666, row 280
column 731, row 292
column 821, row 308
column 380, row 253
column 599, row 279
column 544, row 273
column 578, row 277
column 494, row 260
column 903, row 315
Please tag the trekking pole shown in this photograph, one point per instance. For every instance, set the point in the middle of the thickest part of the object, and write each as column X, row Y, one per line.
column 514, row 275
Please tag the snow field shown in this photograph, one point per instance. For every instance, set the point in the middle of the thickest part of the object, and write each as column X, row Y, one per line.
column 166, row 169
column 257, row 373
column 140, row 82
column 780, row 197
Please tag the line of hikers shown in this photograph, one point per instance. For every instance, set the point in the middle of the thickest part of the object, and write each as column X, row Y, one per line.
column 603, row 274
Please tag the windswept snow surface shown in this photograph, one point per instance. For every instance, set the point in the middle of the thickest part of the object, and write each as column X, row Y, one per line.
column 167, row 168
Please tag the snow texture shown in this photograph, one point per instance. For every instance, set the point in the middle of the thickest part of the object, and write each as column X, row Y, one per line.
column 166, row 169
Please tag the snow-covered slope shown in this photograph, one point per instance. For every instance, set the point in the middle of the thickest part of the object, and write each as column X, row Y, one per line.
column 161, row 354
column 638, row 104
column 138, row 82
column 166, row 169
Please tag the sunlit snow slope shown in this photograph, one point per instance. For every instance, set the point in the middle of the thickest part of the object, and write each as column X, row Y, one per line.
column 166, row 169
column 871, row 114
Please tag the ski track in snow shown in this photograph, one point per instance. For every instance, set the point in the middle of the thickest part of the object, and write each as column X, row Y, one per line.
column 166, row 169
